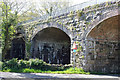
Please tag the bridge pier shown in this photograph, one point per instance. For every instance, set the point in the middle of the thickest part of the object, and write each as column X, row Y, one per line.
column 105, row 60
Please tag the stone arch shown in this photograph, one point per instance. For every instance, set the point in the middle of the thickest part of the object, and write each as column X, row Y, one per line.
column 56, row 25
column 102, row 18
column 52, row 45
column 103, row 45
column 108, row 24
column 18, row 47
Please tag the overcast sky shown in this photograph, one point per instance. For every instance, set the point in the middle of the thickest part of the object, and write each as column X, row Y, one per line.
column 73, row 2
column 77, row 1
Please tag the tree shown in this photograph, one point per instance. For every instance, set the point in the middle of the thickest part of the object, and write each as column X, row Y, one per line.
column 43, row 8
column 15, row 11
column 50, row 7
column 39, row 9
column 11, row 13
column 8, row 23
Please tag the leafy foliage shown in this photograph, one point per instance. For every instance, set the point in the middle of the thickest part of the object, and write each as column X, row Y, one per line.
column 23, row 64
column 38, row 66
column 1, row 63
column 36, row 63
column 13, row 64
column 8, row 24
column 19, row 64
column 12, row 13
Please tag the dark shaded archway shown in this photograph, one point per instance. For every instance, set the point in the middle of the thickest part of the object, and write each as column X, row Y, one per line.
column 52, row 45
column 103, row 46
column 18, row 47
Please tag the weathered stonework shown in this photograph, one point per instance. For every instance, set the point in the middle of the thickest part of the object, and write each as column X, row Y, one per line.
column 95, row 29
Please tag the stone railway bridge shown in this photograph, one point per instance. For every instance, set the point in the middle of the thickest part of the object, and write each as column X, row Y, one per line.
column 94, row 29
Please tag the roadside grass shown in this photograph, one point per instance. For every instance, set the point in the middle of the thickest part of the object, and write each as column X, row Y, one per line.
column 39, row 66
column 65, row 71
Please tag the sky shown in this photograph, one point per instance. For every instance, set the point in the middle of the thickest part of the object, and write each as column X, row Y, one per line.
column 77, row 1
column 74, row 2
column 71, row 2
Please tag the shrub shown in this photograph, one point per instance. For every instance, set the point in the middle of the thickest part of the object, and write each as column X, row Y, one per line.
column 13, row 63
column 1, row 63
column 39, row 66
column 20, row 64
column 36, row 63
column 24, row 64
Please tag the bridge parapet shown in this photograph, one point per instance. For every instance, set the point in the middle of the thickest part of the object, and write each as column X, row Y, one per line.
column 67, row 10
column 70, row 23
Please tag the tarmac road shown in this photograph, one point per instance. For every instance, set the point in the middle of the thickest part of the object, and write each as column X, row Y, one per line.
column 46, row 76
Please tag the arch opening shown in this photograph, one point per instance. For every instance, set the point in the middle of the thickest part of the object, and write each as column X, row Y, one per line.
column 52, row 45
column 17, row 47
column 104, row 46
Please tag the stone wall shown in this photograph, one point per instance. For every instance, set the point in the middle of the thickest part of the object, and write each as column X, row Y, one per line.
column 103, row 56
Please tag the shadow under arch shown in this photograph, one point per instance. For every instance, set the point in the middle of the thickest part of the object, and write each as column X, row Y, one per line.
column 110, row 25
column 101, row 19
column 52, row 45
column 104, row 46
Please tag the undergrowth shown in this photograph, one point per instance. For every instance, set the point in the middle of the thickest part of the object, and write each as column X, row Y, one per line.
column 38, row 66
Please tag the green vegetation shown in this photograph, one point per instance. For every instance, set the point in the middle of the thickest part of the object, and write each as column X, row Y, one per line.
column 38, row 66
column 80, row 48
column 8, row 23
column 71, row 14
column 66, row 71
column 79, row 13
column 1, row 65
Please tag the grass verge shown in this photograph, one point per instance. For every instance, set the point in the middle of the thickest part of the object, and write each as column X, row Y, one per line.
column 67, row 71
